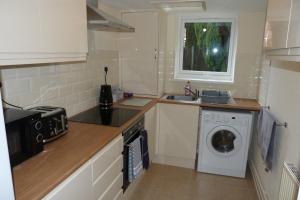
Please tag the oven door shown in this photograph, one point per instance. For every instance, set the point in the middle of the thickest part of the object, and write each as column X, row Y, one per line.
column 128, row 140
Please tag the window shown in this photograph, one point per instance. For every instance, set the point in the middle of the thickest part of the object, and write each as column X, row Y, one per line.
column 206, row 49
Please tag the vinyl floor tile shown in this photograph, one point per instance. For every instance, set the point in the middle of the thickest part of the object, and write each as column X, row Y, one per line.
column 163, row 182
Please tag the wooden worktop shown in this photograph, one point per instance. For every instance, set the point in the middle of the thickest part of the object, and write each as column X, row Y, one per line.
column 236, row 104
column 37, row 176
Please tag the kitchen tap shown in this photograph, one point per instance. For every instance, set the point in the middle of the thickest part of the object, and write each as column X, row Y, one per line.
column 196, row 93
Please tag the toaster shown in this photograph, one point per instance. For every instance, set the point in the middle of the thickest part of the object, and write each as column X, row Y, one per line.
column 54, row 122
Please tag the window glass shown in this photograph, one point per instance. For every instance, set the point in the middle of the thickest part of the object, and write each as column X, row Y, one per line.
column 206, row 46
column 206, row 49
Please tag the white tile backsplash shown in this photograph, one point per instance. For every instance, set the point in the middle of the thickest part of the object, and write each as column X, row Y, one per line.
column 74, row 86
column 27, row 72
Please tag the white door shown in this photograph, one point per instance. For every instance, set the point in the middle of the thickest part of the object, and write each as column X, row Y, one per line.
column 139, row 54
column 6, row 185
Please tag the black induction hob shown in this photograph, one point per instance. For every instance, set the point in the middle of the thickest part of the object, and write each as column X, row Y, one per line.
column 114, row 117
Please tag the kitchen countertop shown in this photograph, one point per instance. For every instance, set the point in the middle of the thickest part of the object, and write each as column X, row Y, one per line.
column 37, row 176
column 237, row 104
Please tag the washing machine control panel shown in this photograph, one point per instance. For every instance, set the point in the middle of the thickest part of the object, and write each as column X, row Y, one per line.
column 224, row 118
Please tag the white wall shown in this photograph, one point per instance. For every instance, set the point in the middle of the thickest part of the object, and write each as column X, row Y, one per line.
column 6, row 183
column 248, row 56
column 280, row 89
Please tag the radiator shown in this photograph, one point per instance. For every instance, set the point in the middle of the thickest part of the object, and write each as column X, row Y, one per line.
column 289, row 182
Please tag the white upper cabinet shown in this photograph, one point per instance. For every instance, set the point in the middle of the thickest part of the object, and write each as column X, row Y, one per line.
column 277, row 24
column 294, row 30
column 42, row 31
column 282, row 32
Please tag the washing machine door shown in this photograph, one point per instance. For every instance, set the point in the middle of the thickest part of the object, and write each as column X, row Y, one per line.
column 224, row 141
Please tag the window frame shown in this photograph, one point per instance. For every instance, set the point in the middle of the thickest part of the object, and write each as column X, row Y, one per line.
column 206, row 76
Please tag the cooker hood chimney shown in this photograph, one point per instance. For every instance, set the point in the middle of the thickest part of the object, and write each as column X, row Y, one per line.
column 98, row 20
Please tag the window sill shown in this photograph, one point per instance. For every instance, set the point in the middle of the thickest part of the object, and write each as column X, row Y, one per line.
column 205, row 79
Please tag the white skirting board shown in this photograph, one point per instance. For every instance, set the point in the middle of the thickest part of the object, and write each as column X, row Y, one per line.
column 262, row 195
column 174, row 161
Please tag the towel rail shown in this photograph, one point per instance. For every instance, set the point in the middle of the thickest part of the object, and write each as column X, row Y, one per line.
column 285, row 124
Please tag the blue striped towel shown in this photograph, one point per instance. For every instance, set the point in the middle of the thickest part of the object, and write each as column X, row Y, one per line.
column 135, row 164
column 145, row 152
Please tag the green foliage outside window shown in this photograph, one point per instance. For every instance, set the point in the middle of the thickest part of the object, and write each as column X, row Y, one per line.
column 206, row 46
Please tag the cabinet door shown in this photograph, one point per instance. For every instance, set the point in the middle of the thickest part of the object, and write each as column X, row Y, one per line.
column 63, row 26
column 138, row 52
column 294, row 30
column 277, row 24
column 150, row 126
column 177, row 137
column 20, row 26
column 76, row 187
column 35, row 31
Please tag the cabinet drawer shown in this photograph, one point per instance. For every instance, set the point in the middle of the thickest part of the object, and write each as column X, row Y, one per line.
column 104, row 181
column 75, row 187
column 113, row 189
column 102, row 160
column 119, row 196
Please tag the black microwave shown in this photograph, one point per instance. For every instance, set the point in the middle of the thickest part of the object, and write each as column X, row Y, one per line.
column 23, row 134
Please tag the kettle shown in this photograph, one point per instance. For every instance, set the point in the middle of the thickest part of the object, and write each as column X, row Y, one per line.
column 106, row 99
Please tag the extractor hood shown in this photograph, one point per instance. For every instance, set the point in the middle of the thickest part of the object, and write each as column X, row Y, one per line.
column 98, row 20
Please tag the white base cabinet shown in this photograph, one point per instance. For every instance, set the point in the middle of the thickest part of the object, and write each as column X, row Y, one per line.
column 75, row 187
column 101, row 178
column 150, row 126
column 176, row 140
column 34, row 31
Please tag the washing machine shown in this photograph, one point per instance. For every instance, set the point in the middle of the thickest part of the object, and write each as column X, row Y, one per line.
column 223, row 142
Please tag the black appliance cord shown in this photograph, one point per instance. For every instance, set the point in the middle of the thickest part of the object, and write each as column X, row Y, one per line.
column 11, row 104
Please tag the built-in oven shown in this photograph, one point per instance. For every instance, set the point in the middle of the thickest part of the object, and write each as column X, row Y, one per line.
column 130, row 135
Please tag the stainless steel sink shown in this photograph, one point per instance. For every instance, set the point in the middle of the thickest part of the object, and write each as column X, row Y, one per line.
column 181, row 98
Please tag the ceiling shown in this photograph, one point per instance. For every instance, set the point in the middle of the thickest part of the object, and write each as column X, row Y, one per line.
column 211, row 5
